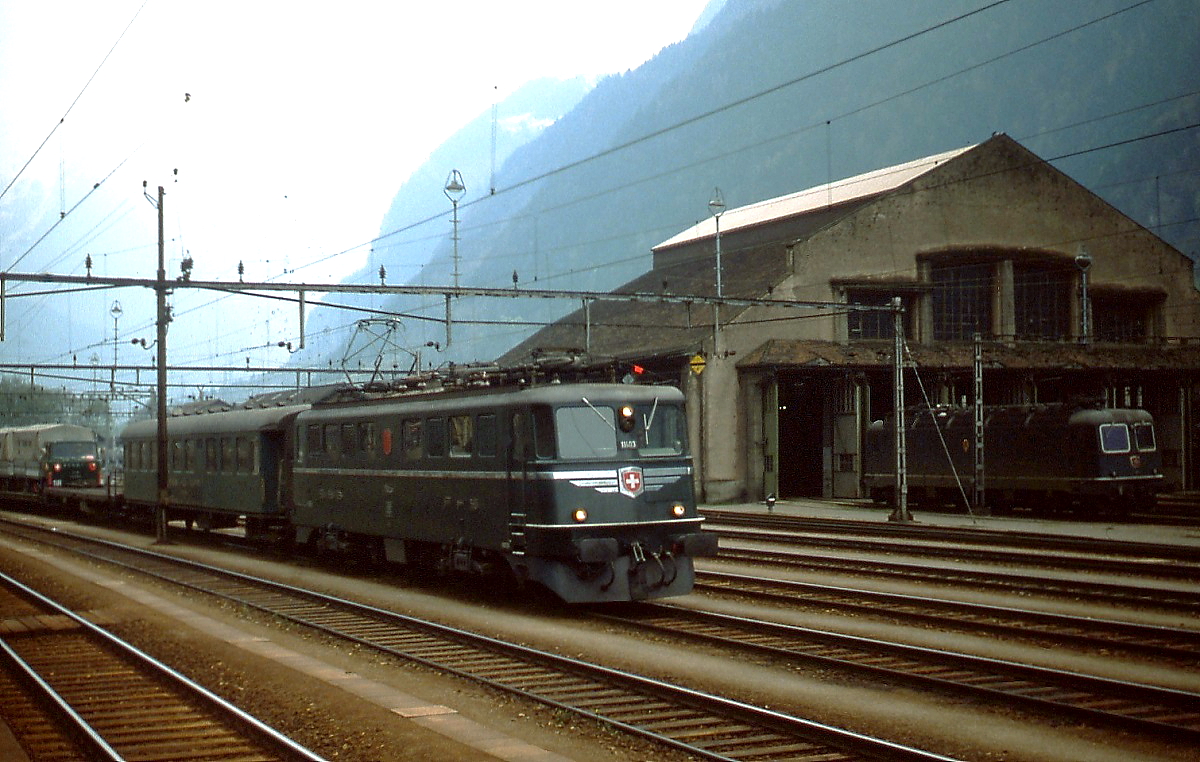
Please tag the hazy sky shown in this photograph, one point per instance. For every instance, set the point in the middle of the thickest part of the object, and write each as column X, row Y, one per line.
column 300, row 121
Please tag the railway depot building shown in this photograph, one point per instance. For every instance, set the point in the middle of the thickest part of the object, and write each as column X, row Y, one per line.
column 988, row 240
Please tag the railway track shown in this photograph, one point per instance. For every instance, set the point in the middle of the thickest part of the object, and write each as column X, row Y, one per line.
column 1052, row 629
column 1182, row 508
column 75, row 691
column 1060, row 552
column 1182, row 596
column 705, row 725
column 1105, row 702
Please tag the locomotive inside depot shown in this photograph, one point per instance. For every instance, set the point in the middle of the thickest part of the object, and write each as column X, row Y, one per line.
column 1040, row 457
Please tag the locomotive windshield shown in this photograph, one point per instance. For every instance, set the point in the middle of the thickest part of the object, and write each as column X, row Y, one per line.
column 72, row 449
column 1114, row 437
column 591, row 431
column 1143, row 435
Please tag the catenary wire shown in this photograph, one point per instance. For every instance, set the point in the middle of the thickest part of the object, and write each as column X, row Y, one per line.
column 87, row 84
column 552, row 276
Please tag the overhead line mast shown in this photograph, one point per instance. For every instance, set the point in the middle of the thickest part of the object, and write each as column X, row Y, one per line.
column 160, row 292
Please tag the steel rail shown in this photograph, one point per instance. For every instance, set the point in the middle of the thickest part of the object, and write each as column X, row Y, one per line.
column 77, row 727
column 1108, row 702
column 116, row 745
column 1175, row 599
column 706, row 725
column 1093, row 632
column 884, row 534
column 1049, row 558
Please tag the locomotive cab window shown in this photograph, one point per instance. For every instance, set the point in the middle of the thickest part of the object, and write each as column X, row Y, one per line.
column 586, row 432
column 543, row 432
column 1114, row 437
column 662, row 430
column 1143, row 437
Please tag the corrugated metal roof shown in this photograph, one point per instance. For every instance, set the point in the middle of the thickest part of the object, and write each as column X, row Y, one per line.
column 818, row 197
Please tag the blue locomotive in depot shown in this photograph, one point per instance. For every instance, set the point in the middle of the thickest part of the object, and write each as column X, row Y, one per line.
column 1052, row 456
column 583, row 488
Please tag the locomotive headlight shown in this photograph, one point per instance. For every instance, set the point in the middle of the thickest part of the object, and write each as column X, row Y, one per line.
column 580, row 515
column 678, row 510
column 57, row 467
column 627, row 419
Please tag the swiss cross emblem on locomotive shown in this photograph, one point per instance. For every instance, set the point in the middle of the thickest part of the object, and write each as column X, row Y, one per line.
column 630, row 481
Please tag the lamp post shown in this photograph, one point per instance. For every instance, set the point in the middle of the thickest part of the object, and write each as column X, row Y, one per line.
column 1084, row 262
column 454, row 190
column 116, row 313
column 717, row 207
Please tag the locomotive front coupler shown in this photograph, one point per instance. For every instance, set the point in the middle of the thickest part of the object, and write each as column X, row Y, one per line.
column 638, row 552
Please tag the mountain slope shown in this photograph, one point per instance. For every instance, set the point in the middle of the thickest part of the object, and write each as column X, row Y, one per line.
column 772, row 97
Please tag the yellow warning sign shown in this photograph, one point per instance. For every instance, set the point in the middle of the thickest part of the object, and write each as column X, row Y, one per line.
column 697, row 364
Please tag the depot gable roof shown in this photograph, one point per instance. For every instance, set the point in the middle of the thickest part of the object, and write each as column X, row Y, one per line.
column 773, row 210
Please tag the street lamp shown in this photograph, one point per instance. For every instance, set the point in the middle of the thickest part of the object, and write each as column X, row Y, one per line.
column 1084, row 262
column 717, row 207
column 116, row 313
column 454, row 191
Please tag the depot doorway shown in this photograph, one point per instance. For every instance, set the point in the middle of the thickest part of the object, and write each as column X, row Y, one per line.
column 801, row 437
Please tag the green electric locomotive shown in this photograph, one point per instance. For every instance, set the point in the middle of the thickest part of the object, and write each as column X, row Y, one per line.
column 583, row 488
column 1049, row 456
